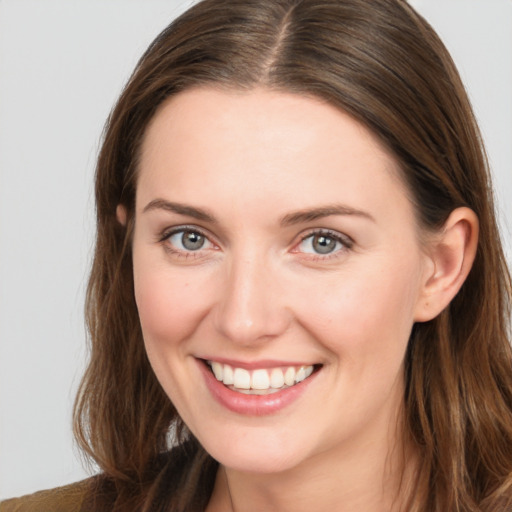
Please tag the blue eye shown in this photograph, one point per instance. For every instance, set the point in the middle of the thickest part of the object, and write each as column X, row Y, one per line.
column 321, row 244
column 188, row 240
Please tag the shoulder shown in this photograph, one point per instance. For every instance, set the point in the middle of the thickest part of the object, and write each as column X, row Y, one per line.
column 185, row 469
column 68, row 498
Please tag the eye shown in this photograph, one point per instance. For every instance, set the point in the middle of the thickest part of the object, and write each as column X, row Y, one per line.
column 323, row 243
column 187, row 240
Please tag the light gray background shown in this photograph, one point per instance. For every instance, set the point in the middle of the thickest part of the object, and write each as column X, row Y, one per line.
column 62, row 65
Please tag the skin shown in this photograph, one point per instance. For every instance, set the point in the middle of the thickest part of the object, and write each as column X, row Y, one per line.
column 257, row 290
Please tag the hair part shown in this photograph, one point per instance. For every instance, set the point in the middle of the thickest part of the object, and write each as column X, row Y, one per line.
column 380, row 62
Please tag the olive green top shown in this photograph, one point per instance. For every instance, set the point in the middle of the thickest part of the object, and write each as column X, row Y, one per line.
column 186, row 472
column 68, row 498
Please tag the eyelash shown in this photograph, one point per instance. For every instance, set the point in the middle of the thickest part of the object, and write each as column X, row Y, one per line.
column 166, row 235
column 345, row 241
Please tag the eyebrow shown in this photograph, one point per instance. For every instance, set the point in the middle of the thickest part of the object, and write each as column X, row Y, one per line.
column 308, row 215
column 181, row 209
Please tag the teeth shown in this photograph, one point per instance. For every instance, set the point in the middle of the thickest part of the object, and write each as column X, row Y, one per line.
column 261, row 379
column 228, row 375
column 218, row 370
column 289, row 376
column 242, row 379
column 300, row 375
column 303, row 373
column 276, row 378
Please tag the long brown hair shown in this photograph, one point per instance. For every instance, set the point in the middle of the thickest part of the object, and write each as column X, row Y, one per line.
column 382, row 63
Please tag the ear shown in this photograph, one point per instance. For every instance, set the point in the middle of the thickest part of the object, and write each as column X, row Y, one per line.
column 121, row 214
column 451, row 253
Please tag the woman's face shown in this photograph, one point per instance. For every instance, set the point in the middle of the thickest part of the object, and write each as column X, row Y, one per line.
column 273, row 238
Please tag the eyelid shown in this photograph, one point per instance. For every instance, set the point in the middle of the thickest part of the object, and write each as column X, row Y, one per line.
column 346, row 241
column 167, row 233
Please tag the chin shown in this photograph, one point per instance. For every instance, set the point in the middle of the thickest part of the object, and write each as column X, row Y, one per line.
column 256, row 463
column 263, row 454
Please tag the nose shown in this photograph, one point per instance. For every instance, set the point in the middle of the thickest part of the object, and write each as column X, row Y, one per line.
column 251, row 308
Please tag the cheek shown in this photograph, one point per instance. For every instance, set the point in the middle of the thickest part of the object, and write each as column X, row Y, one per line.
column 357, row 315
column 170, row 304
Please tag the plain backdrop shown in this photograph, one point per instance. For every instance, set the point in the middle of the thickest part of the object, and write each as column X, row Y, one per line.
column 62, row 65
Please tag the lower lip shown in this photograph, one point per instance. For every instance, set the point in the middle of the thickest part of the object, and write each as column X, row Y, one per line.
column 252, row 405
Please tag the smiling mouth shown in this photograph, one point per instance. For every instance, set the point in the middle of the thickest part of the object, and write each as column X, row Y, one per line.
column 261, row 381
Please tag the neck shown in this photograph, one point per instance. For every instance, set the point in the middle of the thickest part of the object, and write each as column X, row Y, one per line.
column 374, row 477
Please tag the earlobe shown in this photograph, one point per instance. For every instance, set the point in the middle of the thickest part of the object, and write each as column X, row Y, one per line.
column 121, row 214
column 451, row 253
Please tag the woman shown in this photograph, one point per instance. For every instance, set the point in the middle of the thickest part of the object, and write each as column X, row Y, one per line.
column 298, row 281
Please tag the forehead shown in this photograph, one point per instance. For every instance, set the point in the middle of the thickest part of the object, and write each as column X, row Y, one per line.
column 265, row 114
column 248, row 145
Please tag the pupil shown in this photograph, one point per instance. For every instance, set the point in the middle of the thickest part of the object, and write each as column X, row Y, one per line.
column 323, row 244
column 192, row 240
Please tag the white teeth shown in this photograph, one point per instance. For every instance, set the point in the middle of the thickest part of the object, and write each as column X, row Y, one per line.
column 259, row 380
column 242, row 379
column 289, row 376
column 303, row 373
column 276, row 378
column 228, row 375
column 218, row 370
column 300, row 375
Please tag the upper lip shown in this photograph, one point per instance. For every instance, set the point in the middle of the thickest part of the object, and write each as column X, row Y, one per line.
column 253, row 365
